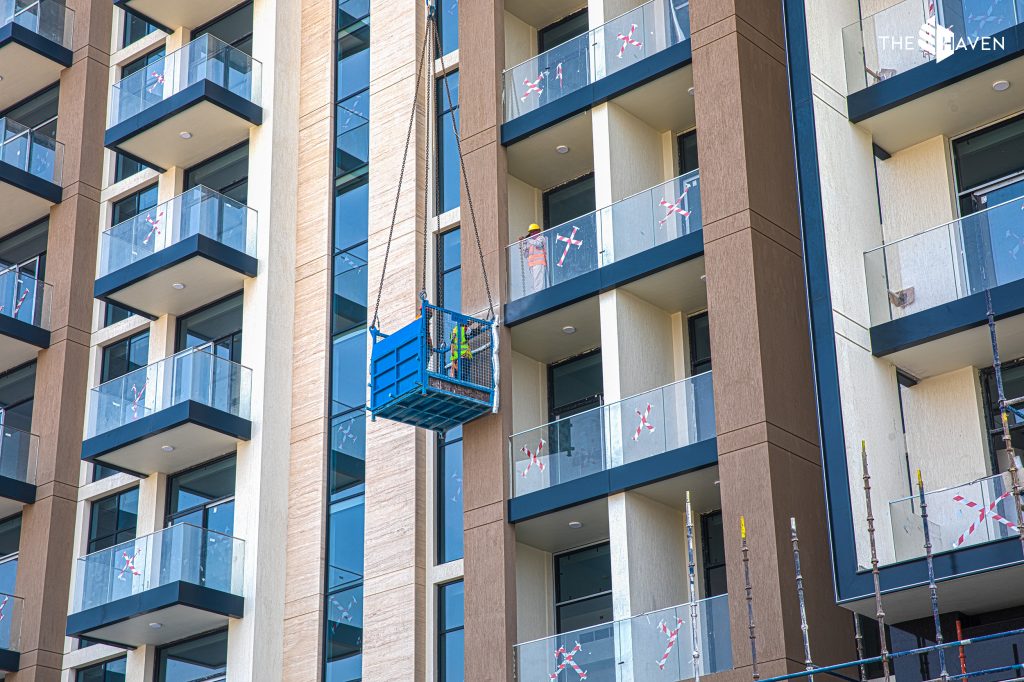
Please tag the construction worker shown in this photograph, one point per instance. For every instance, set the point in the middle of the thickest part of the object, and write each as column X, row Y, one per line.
column 461, row 353
column 535, row 249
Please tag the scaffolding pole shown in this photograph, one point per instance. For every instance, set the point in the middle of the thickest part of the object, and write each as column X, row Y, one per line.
column 692, row 565
column 804, row 630
column 860, row 647
column 933, row 589
column 879, row 612
column 750, row 599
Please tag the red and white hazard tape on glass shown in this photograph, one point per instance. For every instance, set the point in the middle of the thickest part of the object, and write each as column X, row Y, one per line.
column 982, row 513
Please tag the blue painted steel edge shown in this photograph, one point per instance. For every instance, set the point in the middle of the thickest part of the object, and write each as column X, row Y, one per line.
column 605, row 278
column 625, row 477
column 12, row 175
column 10, row 661
column 587, row 97
column 23, row 331
column 20, row 491
column 16, row 33
column 149, row 601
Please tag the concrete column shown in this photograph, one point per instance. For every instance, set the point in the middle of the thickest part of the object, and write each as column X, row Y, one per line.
column 47, row 540
column 764, row 398
column 490, row 549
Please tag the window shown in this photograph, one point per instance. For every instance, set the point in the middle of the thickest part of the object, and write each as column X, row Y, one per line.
column 563, row 30
column 713, row 553
column 348, row 447
column 575, row 385
column 113, row 520
column 449, row 496
column 203, row 658
column 1013, row 386
column 218, row 327
column 25, row 250
column 17, row 397
column 345, row 542
column 448, row 186
column 583, row 588
column 133, row 204
column 227, row 173
column 108, row 671
column 135, row 29
column 351, row 11
column 234, row 28
column 125, row 167
column 449, row 270
column 448, row 25
column 990, row 165
column 39, row 111
column 349, row 351
column 124, row 356
column 451, row 633
column 204, row 496
column 571, row 200
column 10, row 543
column 345, row 588
column 687, row 152
column 112, row 314
column 700, row 343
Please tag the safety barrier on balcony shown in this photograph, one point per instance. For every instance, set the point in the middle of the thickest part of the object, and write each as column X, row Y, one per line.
column 190, row 251
column 193, row 103
column 959, row 516
column 24, row 317
column 949, row 262
column 608, row 235
column 892, row 41
column 11, row 608
column 170, row 415
column 581, row 61
column 18, row 452
column 652, row 646
column 630, row 430
column 31, row 165
column 35, row 44
column 181, row 581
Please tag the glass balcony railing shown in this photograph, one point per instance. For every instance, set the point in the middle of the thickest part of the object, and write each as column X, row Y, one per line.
column 605, row 236
column 32, row 150
column 977, row 252
column 638, row 648
column 960, row 516
column 205, row 58
column 11, row 608
column 193, row 374
column 892, row 41
column 51, row 19
column 199, row 211
column 182, row 552
column 18, row 452
column 25, row 298
column 585, row 59
column 633, row 429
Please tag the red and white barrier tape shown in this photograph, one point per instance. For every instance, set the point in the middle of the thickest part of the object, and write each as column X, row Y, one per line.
column 154, row 226
column 532, row 87
column 158, row 79
column 674, row 208
column 982, row 513
column 558, row 75
column 628, row 40
column 21, row 301
column 532, row 458
column 644, row 424
column 568, row 660
column 129, row 564
column 2, row 605
column 138, row 397
column 569, row 242
column 673, row 635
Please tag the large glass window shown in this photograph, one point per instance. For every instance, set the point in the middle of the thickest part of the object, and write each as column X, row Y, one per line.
column 10, row 542
column 447, row 147
column 126, row 355
column 700, row 343
column 1013, row 386
column 17, row 397
column 349, row 354
column 688, row 160
column 39, row 112
column 227, row 173
column 125, row 167
column 135, row 29
column 713, row 553
column 562, row 30
column 217, row 327
column 448, row 25
column 203, row 659
column 571, row 200
column 451, row 633
column 234, row 28
column 449, row 496
column 133, row 204
column 575, row 385
column 204, row 497
column 113, row 520
column 449, row 270
column 25, row 250
column 108, row 671
column 583, row 588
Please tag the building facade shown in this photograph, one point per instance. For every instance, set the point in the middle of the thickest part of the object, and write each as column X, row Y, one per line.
column 703, row 233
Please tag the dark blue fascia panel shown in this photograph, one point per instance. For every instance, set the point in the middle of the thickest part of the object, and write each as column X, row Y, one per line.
column 609, row 277
column 157, row 599
column 12, row 175
column 16, row 33
column 196, row 246
column 944, row 320
column 609, row 87
column 13, row 489
column 626, row 477
column 192, row 95
column 850, row 583
column 185, row 412
column 126, row 5
column 23, row 331
column 9, row 660
column 928, row 78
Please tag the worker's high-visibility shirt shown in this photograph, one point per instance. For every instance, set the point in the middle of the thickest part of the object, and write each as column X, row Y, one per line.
column 536, row 251
column 460, row 345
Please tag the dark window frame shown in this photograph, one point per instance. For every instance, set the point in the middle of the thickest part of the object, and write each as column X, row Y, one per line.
column 542, row 31
column 681, row 162
column 558, row 601
column 698, row 365
column 443, row 129
column 187, row 176
column 441, row 548
column 585, row 403
column 707, row 565
column 100, row 667
column 444, row 631
column 183, row 318
column 97, row 543
column 171, row 516
column 162, row 649
column 546, row 196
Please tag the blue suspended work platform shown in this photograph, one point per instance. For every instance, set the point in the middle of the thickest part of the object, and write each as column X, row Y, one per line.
column 437, row 373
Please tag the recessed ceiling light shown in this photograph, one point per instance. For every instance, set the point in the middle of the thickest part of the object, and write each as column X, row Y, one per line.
column 568, row 329
column 156, row 626
column 178, row 285
column 562, row 149
column 185, row 135
column 167, row 448
column 1001, row 86
column 575, row 525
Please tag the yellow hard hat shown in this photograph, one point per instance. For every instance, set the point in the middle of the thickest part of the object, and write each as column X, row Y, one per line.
column 534, row 227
